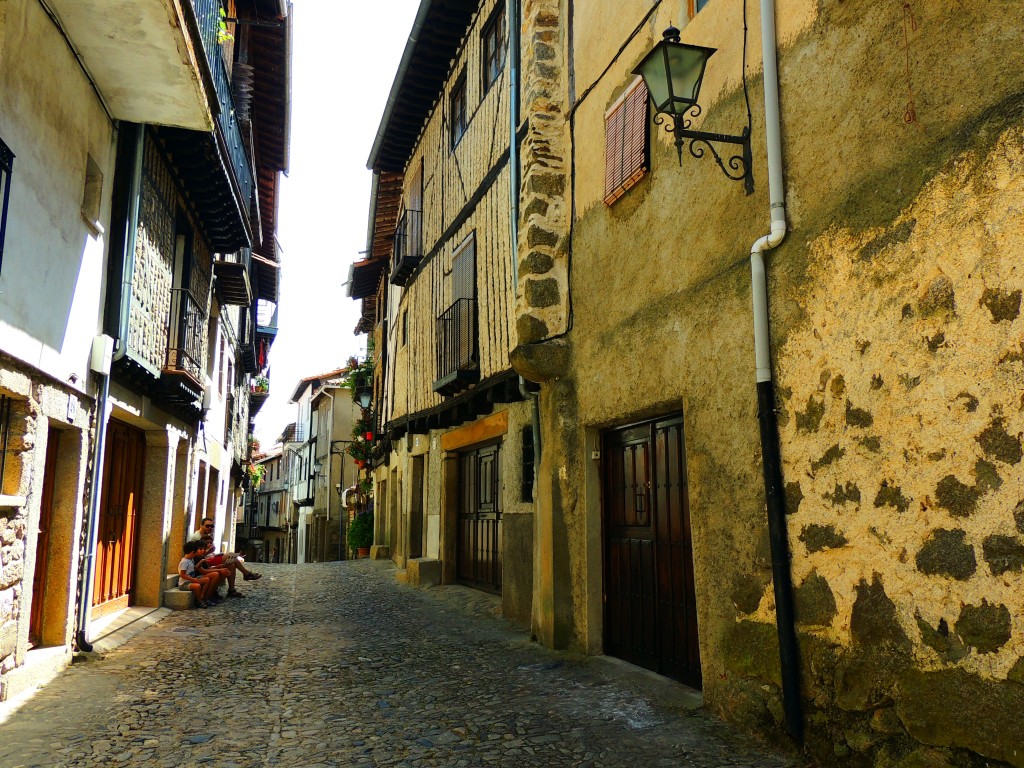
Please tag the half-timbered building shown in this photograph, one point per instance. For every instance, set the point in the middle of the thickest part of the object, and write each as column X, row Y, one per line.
column 438, row 295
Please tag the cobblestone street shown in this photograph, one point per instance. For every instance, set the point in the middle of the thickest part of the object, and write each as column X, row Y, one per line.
column 336, row 665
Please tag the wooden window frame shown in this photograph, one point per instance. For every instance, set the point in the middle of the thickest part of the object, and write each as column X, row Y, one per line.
column 696, row 6
column 458, row 110
column 493, row 48
column 627, row 141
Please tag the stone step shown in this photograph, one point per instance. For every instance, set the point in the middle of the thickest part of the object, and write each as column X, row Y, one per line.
column 178, row 599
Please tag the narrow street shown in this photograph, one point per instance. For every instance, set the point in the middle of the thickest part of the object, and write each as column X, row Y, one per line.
column 335, row 665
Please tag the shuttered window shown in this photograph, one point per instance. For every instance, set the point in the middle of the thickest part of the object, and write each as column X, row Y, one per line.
column 464, row 270
column 457, row 110
column 625, row 142
column 695, row 6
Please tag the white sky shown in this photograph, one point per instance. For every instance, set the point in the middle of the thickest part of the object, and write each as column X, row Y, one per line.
column 344, row 58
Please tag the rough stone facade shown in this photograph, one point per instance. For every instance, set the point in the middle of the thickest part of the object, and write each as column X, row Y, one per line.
column 542, row 306
column 37, row 405
column 895, row 320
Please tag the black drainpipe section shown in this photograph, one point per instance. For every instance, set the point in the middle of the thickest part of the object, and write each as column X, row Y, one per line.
column 785, row 617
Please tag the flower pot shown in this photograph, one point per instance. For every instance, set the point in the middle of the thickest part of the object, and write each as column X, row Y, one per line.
column 362, row 552
column 360, row 463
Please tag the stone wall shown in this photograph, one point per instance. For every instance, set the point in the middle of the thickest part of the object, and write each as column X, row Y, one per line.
column 902, row 446
column 37, row 404
column 542, row 301
column 153, row 273
column 896, row 341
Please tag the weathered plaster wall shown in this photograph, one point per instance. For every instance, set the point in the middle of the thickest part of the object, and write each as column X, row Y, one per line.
column 903, row 442
column 52, row 121
column 895, row 305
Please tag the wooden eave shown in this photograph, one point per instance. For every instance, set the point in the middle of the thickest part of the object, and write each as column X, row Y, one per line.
column 419, row 83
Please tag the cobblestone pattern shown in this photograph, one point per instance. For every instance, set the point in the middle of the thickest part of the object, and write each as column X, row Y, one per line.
column 335, row 665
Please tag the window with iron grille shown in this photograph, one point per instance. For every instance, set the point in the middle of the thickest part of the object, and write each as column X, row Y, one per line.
column 494, row 47
column 6, row 168
column 457, row 110
column 626, row 144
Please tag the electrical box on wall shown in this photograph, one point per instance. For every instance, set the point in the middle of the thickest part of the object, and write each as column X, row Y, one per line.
column 102, row 354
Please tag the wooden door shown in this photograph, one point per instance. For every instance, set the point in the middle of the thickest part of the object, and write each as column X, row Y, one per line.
column 123, row 468
column 478, row 556
column 35, row 627
column 650, row 602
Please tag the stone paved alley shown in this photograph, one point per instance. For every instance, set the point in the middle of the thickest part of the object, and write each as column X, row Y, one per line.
column 335, row 665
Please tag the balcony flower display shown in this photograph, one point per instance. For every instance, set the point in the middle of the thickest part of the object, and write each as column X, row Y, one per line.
column 256, row 473
column 260, row 385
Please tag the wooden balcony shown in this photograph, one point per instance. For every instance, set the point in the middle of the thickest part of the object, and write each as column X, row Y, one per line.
column 408, row 250
column 458, row 360
column 258, row 395
column 232, row 274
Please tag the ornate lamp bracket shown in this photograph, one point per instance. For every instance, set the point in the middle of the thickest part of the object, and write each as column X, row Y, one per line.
column 737, row 167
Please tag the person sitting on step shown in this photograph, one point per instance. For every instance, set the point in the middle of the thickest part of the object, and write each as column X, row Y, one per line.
column 189, row 578
column 230, row 560
column 214, row 564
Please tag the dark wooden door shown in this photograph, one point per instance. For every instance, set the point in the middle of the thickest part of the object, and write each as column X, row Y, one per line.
column 650, row 616
column 478, row 558
column 123, row 468
column 35, row 626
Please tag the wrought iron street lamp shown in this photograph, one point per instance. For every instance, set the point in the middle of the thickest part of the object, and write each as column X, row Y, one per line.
column 673, row 72
column 364, row 395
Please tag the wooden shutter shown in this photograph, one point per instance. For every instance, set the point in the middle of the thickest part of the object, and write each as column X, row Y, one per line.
column 464, row 272
column 625, row 159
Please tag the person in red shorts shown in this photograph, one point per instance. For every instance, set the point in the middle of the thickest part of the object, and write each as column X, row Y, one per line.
column 230, row 560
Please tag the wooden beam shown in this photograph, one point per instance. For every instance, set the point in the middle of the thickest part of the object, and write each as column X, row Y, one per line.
column 479, row 431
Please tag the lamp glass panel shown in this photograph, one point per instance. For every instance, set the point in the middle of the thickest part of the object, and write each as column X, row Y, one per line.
column 686, row 64
column 652, row 69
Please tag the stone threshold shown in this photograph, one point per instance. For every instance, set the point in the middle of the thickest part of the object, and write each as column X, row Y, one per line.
column 113, row 631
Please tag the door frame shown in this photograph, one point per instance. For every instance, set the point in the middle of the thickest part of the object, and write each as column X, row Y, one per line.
column 604, row 437
column 461, row 453
column 129, row 547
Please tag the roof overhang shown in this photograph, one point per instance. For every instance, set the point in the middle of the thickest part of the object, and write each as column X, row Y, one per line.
column 145, row 57
column 435, row 39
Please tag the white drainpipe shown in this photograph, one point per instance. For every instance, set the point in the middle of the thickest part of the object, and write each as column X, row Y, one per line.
column 775, row 499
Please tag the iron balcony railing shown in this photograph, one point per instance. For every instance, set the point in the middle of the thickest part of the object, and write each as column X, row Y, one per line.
column 457, row 358
column 208, row 14
column 187, row 334
column 408, row 250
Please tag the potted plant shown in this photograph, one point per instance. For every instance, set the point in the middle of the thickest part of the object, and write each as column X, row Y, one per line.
column 360, row 533
column 261, row 384
column 359, row 450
